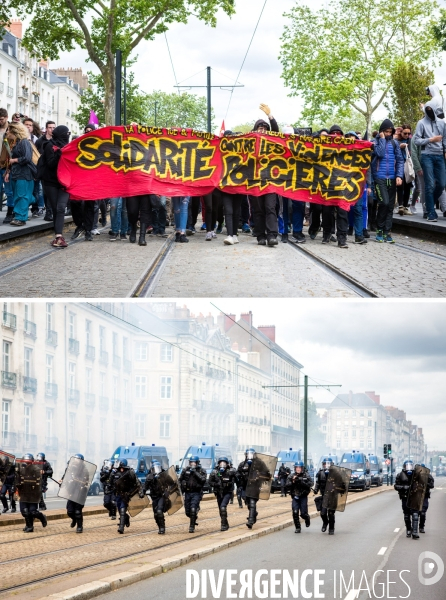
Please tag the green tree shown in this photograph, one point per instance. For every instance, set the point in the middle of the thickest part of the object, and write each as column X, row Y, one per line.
column 408, row 91
column 178, row 110
column 343, row 58
column 103, row 26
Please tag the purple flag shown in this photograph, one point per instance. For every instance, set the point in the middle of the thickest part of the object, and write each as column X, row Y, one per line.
column 93, row 118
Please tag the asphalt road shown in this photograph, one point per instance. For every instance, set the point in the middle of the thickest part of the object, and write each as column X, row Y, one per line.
column 54, row 502
column 370, row 536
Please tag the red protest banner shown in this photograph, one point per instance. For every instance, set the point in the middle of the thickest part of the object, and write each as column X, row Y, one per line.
column 127, row 161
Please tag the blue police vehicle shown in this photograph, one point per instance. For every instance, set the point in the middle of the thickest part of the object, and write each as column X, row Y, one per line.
column 288, row 458
column 140, row 458
column 359, row 464
column 376, row 470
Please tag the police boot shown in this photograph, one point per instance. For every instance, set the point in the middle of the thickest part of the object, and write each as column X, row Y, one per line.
column 422, row 522
column 5, row 504
column 29, row 524
column 41, row 518
column 307, row 520
column 331, row 524
column 415, row 521
column 251, row 516
column 73, row 519
column 161, row 523
column 80, row 522
column 113, row 513
column 122, row 513
column 240, row 503
column 142, row 234
column 127, row 520
column 224, row 519
column 193, row 520
column 13, row 505
column 408, row 526
column 132, row 236
column 296, row 521
column 42, row 505
column 324, row 523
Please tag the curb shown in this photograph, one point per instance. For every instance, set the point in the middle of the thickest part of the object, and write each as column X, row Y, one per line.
column 38, row 227
column 156, row 567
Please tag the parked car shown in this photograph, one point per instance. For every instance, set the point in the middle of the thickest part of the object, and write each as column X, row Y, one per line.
column 96, row 486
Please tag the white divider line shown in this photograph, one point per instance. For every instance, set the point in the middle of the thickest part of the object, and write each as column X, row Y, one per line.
column 396, row 530
column 351, row 595
column 382, row 551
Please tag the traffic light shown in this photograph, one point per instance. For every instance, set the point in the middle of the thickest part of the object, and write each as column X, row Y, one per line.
column 389, row 449
column 385, row 450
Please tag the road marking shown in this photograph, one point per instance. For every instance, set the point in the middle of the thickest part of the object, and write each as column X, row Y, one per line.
column 396, row 530
column 351, row 595
column 382, row 551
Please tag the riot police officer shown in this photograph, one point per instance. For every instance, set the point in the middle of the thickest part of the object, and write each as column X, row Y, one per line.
column 109, row 494
column 8, row 487
column 153, row 486
column 299, row 485
column 47, row 472
column 74, row 509
column 430, row 486
column 243, row 476
column 402, row 486
column 192, row 480
column 327, row 515
column 283, row 474
column 222, row 481
column 124, row 481
column 29, row 510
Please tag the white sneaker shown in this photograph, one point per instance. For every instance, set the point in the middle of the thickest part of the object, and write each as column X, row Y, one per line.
column 229, row 241
column 235, row 238
column 95, row 232
column 413, row 210
column 209, row 237
column 213, row 234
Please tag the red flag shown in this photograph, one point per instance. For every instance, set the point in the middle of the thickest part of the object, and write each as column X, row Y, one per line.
column 222, row 128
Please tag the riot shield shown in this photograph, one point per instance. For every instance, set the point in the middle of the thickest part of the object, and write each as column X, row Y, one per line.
column 418, row 486
column 336, row 488
column 29, row 480
column 137, row 504
column 173, row 500
column 126, row 486
column 6, row 460
column 261, row 476
column 77, row 480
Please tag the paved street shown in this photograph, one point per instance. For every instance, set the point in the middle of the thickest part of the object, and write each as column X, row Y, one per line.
column 410, row 268
column 369, row 536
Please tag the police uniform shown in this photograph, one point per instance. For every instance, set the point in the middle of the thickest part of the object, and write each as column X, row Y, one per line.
column 222, row 481
column 299, row 486
column 327, row 514
column 192, row 480
column 153, row 486
column 109, row 494
column 123, row 496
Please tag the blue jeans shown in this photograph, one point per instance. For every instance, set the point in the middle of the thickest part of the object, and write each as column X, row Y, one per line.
column 298, row 215
column 38, row 195
column 6, row 186
column 118, row 215
column 434, row 180
column 181, row 209
column 23, row 197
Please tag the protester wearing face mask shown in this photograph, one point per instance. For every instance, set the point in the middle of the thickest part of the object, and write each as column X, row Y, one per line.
column 430, row 134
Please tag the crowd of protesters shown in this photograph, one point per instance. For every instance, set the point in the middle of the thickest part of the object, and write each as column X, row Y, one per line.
column 407, row 167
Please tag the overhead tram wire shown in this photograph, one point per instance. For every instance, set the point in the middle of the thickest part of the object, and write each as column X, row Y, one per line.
column 244, row 59
column 173, row 344
column 171, row 62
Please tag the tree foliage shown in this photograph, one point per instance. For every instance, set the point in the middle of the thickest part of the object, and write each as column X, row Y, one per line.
column 103, row 26
column 343, row 58
column 178, row 110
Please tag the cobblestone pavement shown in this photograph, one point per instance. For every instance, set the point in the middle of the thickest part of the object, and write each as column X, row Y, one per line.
column 211, row 269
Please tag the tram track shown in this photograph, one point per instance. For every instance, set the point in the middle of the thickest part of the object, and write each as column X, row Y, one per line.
column 149, row 280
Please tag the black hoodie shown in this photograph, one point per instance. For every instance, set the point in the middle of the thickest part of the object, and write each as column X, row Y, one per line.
column 48, row 162
column 262, row 122
column 387, row 124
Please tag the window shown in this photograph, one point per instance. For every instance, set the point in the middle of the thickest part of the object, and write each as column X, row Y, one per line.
column 72, row 376
column 164, row 426
column 141, row 351
column 103, row 383
column 369, row 433
column 88, row 380
column 115, row 388
column 115, row 343
column 361, row 444
column 361, row 433
column 369, row 413
column 6, row 363
column 346, row 434
column 72, row 425
column 166, row 353
column 88, row 430
column 28, row 362
column 354, row 433
column 27, row 421
column 101, row 338
column 166, row 388
column 6, row 415
column 49, row 316
column 72, row 325
column 338, row 434
column 125, row 348
column 369, row 423
column 27, row 312
column 140, row 425
column 346, row 411
column 88, row 333
column 49, row 422
column 140, row 386
column 369, row 444
column 361, row 412
column 338, row 413
column 126, row 391
column 103, row 430
column 338, row 443
column 49, row 367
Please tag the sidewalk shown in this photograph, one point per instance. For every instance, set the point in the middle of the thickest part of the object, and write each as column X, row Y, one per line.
column 416, row 225
column 10, row 232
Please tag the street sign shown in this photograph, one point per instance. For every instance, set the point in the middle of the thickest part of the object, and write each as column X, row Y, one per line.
column 388, row 461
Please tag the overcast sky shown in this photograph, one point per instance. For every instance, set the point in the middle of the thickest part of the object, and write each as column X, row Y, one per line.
column 397, row 349
column 195, row 46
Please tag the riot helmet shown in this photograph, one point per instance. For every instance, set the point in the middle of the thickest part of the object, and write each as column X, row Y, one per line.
column 327, row 463
column 40, row 456
column 408, row 467
column 422, row 465
column 194, row 461
column 156, row 467
column 120, row 462
column 80, row 456
column 28, row 456
column 299, row 465
column 223, row 463
column 107, row 464
column 249, row 455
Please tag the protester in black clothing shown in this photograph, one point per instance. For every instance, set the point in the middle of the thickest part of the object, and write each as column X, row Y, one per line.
column 283, row 476
column 139, row 207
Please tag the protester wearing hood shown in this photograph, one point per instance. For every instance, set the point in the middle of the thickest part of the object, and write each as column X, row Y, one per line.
column 89, row 127
column 430, row 134
column 387, row 172
column 47, row 172
column 21, row 172
column 264, row 207
column 437, row 100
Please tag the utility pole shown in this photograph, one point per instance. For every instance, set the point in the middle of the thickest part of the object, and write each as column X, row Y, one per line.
column 209, row 109
column 125, row 94
column 118, row 77
column 305, row 386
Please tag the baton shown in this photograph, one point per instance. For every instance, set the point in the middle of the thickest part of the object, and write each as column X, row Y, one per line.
column 59, row 484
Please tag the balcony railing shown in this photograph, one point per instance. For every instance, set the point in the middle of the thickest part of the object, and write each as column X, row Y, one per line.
column 68, row 112
column 219, row 407
column 73, row 346
column 103, row 357
column 73, row 396
column 90, row 352
column 8, row 439
column 103, row 402
column 23, row 93
column 50, row 390
column 117, row 405
column 9, row 320
column 74, row 446
column 9, row 380
column 29, row 442
column 127, row 365
column 36, row 99
column 51, row 444
column 90, row 449
column 51, row 337
column 9, row 92
column 90, row 400
column 30, row 329
column 30, row 385
column 116, row 362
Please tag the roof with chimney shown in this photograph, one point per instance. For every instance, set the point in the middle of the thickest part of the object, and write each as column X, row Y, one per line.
column 353, row 401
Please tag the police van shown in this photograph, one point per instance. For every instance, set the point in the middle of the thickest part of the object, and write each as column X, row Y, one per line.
column 289, row 457
column 359, row 464
column 208, row 455
column 140, row 458
column 376, row 470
